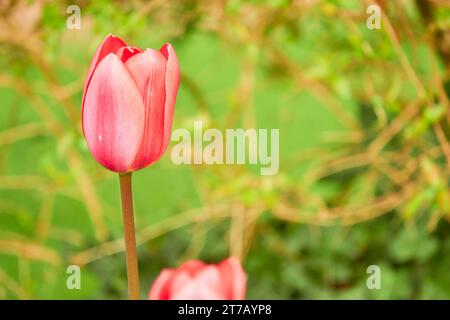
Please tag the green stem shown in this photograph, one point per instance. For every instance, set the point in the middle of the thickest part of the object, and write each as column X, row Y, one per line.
column 130, row 237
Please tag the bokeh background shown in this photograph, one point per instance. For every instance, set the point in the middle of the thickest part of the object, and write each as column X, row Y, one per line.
column 364, row 148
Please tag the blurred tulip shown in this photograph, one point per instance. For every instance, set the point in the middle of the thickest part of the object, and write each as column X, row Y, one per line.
column 128, row 103
column 195, row 280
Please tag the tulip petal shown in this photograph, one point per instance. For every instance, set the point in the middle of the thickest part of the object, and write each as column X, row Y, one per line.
column 125, row 53
column 161, row 286
column 148, row 70
column 109, row 45
column 210, row 277
column 195, row 290
column 178, row 281
column 172, row 84
column 205, row 285
column 192, row 267
column 113, row 119
column 234, row 278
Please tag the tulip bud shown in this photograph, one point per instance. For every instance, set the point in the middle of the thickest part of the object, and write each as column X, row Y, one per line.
column 128, row 104
column 195, row 280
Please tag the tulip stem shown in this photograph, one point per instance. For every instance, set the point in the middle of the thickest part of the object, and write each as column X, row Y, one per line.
column 130, row 237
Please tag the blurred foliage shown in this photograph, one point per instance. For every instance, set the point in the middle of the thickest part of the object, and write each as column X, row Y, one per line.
column 364, row 154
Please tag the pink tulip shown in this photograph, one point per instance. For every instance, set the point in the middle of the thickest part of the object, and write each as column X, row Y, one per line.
column 195, row 280
column 128, row 103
